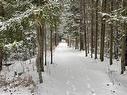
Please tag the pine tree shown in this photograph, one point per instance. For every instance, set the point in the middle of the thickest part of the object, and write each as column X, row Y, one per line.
column 96, row 32
column 103, row 26
column 1, row 47
column 111, row 37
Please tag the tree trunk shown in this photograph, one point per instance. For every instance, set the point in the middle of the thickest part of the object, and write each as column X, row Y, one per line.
column 1, row 9
column 76, row 42
column 111, row 37
column 45, row 46
column 92, row 27
column 51, row 44
column 1, row 48
column 96, row 32
column 103, row 24
column 84, row 27
column 1, row 57
column 56, row 35
column 123, row 52
column 124, row 42
column 81, row 26
column 116, row 42
column 40, row 55
column 88, row 40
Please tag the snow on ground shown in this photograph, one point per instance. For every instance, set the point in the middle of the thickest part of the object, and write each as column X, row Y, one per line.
column 18, row 79
column 71, row 74
column 74, row 74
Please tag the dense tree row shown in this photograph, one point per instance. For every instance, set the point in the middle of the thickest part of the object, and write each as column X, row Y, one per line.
column 99, row 27
column 28, row 28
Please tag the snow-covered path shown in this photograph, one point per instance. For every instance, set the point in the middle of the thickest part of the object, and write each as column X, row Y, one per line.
column 74, row 74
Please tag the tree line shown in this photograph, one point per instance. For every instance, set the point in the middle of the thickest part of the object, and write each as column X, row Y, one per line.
column 99, row 28
column 28, row 28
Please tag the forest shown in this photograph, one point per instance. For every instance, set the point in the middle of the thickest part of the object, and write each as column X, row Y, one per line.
column 63, row 47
